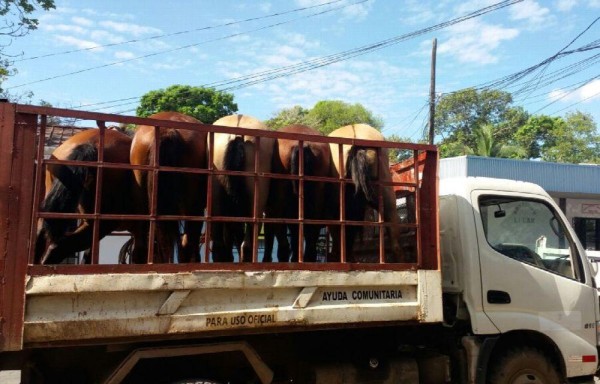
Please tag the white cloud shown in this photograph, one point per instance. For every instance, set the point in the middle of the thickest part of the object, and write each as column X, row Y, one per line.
column 171, row 65
column 299, row 40
column 106, row 37
column 531, row 12
column 594, row 3
column 474, row 41
column 82, row 21
column 565, row 5
column 75, row 42
column 355, row 12
column 134, row 29
column 124, row 55
column 265, row 7
column 587, row 93
column 63, row 28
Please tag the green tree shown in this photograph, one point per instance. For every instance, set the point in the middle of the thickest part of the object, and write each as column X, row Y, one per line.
column 205, row 104
column 332, row 114
column 575, row 141
column 458, row 114
column 572, row 139
column 326, row 116
column 397, row 155
column 537, row 134
column 17, row 22
column 486, row 144
column 288, row 116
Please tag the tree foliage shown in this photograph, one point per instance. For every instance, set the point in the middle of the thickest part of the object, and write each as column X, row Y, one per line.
column 572, row 139
column 205, row 104
column 397, row 155
column 326, row 116
column 289, row 116
column 460, row 114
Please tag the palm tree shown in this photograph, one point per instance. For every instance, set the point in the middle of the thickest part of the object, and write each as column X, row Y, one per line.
column 487, row 146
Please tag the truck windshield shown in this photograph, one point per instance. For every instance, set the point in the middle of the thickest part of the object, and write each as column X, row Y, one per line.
column 528, row 231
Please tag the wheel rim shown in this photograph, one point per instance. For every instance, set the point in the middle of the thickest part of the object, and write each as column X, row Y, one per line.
column 527, row 376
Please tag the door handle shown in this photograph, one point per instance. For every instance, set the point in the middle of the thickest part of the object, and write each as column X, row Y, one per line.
column 498, row 297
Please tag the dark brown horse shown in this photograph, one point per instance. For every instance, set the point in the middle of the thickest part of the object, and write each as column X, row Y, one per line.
column 233, row 196
column 361, row 164
column 286, row 160
column 177, row 193
column 72, row 189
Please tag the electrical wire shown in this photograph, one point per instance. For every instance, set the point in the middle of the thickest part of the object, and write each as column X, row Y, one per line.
column 179, row 32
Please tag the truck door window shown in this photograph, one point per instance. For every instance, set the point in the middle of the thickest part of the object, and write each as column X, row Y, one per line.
column 528, row 231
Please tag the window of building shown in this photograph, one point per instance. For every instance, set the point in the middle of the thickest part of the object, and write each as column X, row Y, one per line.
column 588, row 231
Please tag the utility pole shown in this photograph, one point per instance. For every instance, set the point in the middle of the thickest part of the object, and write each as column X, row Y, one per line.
column 432, row 93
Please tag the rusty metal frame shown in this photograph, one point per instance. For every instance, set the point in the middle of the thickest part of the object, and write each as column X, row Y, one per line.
column 17, row 153
column 424, row 183
column 262, row 370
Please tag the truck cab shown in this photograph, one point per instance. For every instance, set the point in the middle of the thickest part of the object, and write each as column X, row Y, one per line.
column 514, row 270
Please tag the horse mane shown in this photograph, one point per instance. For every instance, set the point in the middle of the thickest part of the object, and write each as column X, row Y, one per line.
column 66, row 192
column 358, row 168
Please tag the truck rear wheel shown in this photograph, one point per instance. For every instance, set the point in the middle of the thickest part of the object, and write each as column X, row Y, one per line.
column 523, row 366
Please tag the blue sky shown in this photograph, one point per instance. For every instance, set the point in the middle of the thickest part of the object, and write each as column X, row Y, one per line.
column 210, row 42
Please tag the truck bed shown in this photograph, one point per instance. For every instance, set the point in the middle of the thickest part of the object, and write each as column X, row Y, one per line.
column 69, row 308
column 102, row 303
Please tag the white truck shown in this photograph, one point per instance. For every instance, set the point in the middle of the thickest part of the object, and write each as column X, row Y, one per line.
column 500, row 291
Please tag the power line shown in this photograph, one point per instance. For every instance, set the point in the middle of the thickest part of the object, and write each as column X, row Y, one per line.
column 179, row 32
column 577, row 102
column 184, row 47
column 268, row 75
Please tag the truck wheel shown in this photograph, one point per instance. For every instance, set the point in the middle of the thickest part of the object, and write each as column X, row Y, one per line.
column 524, row 366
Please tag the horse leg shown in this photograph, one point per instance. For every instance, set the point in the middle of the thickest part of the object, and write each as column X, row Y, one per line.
column 220, row 241
column 283, row 244
column 294, row 241
column 247, row 244
column 139, row 233
column 336, row 238
column 311, row 237
column 269, row 239
column 193, row 204
column 189, row 251
column 391, row 216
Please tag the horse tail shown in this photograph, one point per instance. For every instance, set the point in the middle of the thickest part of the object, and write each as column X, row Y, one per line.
column 170, row 186
column 358, row 167
column 67, row 190
column 310, row 161
column 235, row 160
column 171, row 147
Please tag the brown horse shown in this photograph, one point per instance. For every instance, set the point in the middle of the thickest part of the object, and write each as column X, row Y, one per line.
column 233, row 196
column 286, row 159
column 177, row 193
column 71, row 189
column 362, row 166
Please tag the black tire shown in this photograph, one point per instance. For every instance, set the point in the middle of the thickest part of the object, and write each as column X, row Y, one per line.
column 523, row 365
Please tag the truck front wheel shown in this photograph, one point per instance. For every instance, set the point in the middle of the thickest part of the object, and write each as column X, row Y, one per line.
column 523, row 366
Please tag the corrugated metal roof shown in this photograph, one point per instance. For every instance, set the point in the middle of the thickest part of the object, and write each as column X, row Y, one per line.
column 556, row 178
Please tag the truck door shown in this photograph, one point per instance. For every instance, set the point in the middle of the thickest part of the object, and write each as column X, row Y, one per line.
column 533, row 277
